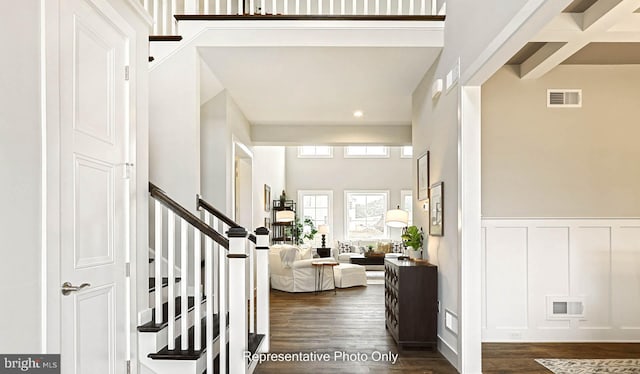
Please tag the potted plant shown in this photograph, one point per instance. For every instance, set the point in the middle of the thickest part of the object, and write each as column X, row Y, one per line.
column 303, row 230
column 413, row 238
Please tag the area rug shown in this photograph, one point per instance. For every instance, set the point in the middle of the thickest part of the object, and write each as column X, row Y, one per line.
column 375, row 277
column 559, row 366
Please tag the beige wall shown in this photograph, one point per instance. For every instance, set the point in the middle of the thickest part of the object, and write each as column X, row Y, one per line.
column 551, row 162
column 436, row 129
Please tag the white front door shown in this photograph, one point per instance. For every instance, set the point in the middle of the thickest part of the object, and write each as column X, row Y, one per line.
column 94, row 204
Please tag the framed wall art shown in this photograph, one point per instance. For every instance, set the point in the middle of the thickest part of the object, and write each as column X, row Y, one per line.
column 423, row 176
column 267, row 198
column 436, row 209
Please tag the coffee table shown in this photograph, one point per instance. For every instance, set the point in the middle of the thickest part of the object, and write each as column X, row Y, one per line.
column 364, row 261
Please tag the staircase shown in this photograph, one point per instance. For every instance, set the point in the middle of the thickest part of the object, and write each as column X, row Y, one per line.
column 207, row 317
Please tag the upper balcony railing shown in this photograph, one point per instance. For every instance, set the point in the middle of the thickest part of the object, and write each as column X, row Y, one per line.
column 164, row 11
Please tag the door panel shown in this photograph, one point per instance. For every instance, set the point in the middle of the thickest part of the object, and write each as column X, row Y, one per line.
column 93, row 214
column 95, row 316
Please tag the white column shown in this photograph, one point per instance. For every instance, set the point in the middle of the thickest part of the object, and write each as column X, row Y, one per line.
column 238, row 326
column 469, row 230
column 262, row 280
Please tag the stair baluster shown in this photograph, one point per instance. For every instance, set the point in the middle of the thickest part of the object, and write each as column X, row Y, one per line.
column 171, row 266
column 208, row 292
column 158, row 262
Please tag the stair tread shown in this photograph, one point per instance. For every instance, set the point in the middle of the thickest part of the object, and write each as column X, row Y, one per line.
column 165, row 283
column 254, row 342
column 152, row 326
column 165, row 38
column 190, row 353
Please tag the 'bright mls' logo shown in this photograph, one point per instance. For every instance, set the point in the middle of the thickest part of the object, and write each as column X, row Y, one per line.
column 49, row 364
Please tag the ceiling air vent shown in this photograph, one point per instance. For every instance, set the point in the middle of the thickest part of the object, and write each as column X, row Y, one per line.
column 564, row 98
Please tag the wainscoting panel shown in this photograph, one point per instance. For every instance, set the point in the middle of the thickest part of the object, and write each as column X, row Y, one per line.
column 507, row 259
column 626, row 279
column 531, row 264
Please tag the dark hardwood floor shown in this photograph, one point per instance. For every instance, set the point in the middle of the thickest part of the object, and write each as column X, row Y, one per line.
column 352, row 321
column 519, row 358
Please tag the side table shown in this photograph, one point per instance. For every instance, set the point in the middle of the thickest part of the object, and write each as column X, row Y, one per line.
column 324, row 252
column 320, row 265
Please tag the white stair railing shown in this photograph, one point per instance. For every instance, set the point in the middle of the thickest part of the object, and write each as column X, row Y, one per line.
column 244, row 267
column 163, row 11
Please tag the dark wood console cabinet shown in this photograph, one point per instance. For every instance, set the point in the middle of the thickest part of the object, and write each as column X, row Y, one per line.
column 411, row 303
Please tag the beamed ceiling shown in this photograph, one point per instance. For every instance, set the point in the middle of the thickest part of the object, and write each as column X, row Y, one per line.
column 598, row 32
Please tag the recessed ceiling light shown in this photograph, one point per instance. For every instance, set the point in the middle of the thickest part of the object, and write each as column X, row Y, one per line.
column 358, row 114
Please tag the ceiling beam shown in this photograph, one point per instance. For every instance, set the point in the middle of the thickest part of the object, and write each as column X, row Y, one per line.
column 566, row 39
column 546, row 58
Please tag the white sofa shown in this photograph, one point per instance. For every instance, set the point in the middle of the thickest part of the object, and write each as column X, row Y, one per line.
column 300, row 275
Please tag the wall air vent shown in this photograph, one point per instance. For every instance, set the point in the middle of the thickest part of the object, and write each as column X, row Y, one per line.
column 560, row 98
column 565, row 307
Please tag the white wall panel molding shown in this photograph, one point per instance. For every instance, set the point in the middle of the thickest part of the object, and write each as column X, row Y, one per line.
column 529, row 261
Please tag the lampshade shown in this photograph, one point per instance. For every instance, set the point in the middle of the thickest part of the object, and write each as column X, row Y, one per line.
column 285, row 216
column 323, row 229
column 397, row 218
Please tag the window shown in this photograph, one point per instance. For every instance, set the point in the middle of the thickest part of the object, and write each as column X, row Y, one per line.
column 315, row 151
column 406, row 203
column 318, row 206
column 406, row 151
column 366, row 151
column 364, row 214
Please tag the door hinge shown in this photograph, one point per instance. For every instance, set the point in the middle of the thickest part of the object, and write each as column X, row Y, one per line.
column 126, row 72
column 128, row 167
column 127, row 269
column 128, row 366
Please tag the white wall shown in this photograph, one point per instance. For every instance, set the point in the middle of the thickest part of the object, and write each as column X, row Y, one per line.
column 580, row 162
column 339, row 174
column 528, row 260
column 269, row 169
column 174, row 147
column 213, row 156
column 20, row 192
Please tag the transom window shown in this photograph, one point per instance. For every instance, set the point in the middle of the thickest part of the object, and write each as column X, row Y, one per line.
column 406, row 151
column 364, row 214
column 366, row 151
column 315, row 151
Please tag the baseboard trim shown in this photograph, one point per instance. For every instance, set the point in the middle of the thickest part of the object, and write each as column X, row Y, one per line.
column 448, row 352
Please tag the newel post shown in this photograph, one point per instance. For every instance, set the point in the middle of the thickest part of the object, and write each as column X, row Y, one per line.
column 238, row 323
column 262, row 281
